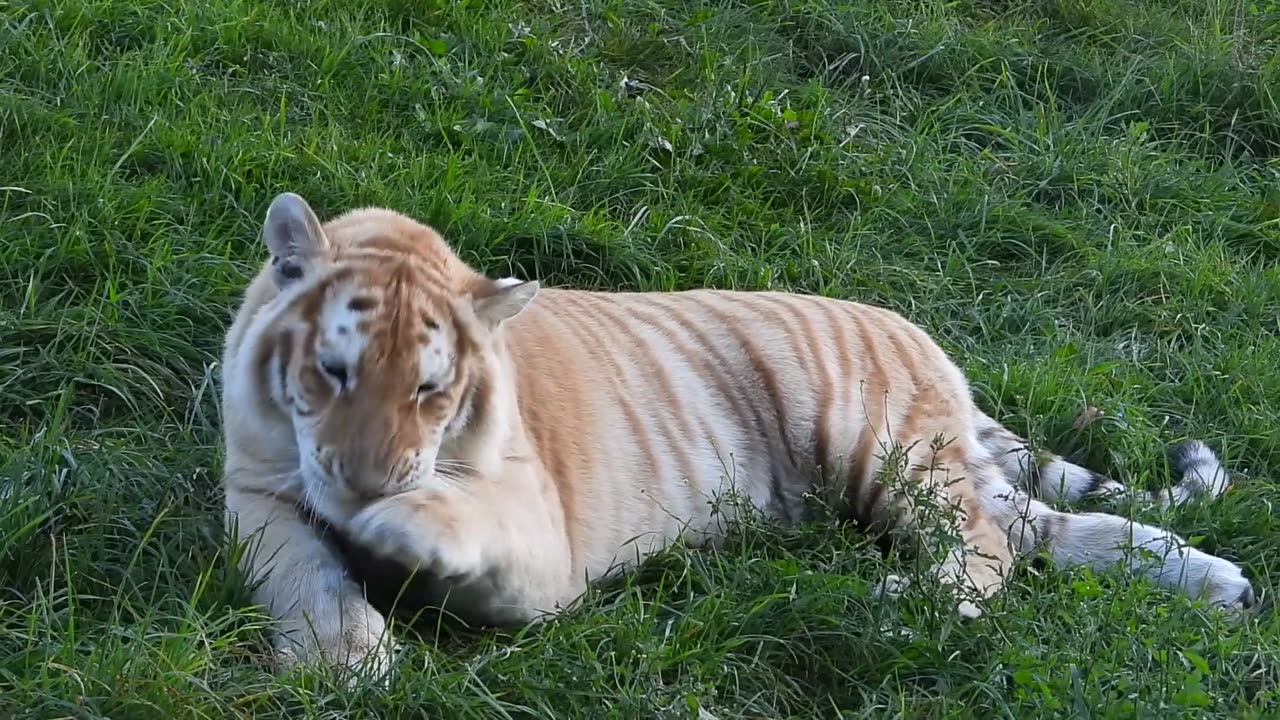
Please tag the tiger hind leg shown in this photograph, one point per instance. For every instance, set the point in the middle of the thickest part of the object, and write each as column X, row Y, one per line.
column 1101, row 541
column 939, row 478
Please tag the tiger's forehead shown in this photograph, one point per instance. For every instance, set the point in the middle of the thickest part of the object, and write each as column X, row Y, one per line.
column 382, row 297
column 385, row 324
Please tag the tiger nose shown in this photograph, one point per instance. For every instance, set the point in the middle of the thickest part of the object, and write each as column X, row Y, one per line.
column 371, row 480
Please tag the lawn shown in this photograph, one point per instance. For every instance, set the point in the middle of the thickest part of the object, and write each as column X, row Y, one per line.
column 1079, row 198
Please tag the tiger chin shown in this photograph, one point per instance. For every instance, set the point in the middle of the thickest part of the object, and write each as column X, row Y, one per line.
column 518, row 442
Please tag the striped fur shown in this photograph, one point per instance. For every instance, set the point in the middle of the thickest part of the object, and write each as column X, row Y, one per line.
column 1052, row 478
column 519, row 442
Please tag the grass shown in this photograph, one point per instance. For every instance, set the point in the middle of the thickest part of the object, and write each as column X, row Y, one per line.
column 1079, row 198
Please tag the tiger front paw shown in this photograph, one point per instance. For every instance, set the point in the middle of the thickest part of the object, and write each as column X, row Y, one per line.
column 418, row 532
column 355, row 638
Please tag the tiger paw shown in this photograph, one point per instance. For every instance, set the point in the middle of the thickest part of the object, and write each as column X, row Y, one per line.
column 418, row 533
column 1220, row 582
column 355, row 640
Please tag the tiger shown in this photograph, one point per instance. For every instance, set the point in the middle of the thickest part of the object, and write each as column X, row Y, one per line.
column 517, row 443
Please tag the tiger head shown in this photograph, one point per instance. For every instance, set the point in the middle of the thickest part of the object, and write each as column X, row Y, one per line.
column 383, row 350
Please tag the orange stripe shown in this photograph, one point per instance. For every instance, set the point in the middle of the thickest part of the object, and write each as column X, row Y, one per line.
column 815, row 361
column 768, row 378
column 600, row 352
column 714, row 364
column 554, row 439
column 845, row 373
column 874, row 400
column 702, row 368
column 601, row 309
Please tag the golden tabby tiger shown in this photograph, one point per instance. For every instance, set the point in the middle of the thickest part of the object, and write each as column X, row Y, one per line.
column 518, row 443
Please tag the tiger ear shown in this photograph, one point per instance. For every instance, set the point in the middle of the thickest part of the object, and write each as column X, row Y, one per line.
column 295, row 238
column 506, row 300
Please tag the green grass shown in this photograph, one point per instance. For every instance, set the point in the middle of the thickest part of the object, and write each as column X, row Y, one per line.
column 1079, row 198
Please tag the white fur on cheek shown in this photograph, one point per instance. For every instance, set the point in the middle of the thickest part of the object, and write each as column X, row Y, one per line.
column 324, row 494
column 422, row 475
column 314, row 478
column 461, row 417
column 435, row 358
column 275, row 380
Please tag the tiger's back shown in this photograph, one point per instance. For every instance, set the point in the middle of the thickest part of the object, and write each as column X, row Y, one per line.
column 645, row 408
